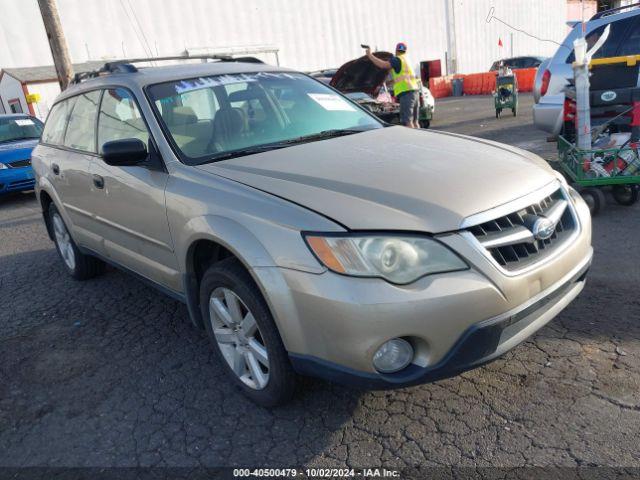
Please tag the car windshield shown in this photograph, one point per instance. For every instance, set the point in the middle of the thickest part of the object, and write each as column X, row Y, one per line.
column 19, row 128
column 222, row 116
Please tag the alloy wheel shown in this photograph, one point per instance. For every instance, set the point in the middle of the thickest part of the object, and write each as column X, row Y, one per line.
column 63, row 239
column 239, row 338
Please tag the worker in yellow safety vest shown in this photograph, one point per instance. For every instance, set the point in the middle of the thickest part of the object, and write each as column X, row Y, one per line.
column 405, row 84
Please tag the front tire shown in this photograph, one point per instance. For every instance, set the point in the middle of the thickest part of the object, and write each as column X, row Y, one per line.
column 425, row 124
column 244, row 335
column 77, row 264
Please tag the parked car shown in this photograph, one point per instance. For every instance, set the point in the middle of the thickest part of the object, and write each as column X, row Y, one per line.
column 518, row 62
column 554, row 74
column 325, row 75
column 305, row 235
column 19, row 134
column 371, row 87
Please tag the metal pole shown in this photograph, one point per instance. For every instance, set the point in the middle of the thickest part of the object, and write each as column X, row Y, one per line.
column 581, row 76
column 450, row 21
column 57, row 41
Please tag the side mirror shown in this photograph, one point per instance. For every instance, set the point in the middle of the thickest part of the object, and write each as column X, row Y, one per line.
column 123, row 153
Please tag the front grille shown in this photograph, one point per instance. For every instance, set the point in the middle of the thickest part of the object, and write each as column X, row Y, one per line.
column 21, row 184
column 510, row 239
column 20, row 163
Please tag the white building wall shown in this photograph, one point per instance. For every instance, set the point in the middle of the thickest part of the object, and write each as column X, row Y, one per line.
column 48, row 92
column 10, row 89
column 477, row 40
column 311, row 34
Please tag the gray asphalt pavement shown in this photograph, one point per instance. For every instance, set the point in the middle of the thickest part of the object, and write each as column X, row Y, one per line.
column 110, row 372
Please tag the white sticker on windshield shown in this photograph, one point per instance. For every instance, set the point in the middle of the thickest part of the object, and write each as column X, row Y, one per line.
column 330, row 101
column 24, row 122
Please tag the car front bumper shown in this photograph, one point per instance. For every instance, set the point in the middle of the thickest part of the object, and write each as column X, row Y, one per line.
column 16, row 180
column 426, row 112
column 332, row 324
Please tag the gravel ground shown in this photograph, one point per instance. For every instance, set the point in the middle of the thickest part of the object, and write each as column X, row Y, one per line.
column 110, row 372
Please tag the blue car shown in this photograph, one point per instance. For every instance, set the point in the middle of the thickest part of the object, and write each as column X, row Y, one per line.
column 19, row 134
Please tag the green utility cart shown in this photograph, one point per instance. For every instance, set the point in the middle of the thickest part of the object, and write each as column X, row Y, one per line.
column 505, row 96
column 613, row 161
column 592, row 170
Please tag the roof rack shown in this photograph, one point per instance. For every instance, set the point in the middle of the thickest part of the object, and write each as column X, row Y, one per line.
column 613, row 11
column 127, row 65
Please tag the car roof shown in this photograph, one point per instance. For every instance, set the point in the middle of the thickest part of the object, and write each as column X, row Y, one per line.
column 537, row 57
column 620, row 12
column 151, row 75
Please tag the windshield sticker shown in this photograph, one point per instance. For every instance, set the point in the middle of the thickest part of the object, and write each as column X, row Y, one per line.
column 184, row 86
column 330, row 101
column 24, row 122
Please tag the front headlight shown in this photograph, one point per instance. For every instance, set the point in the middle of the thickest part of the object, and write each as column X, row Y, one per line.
column 561, row 178
column 574, row 194
column 398, row 259
column 3, row 166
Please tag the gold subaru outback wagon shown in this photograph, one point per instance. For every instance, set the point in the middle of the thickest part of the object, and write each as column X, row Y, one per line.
column 306, row 236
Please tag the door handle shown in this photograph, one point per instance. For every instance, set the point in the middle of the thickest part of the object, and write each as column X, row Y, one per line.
column 98, row 181
column 55, row 169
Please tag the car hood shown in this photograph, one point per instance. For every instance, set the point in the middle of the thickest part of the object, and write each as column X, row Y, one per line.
column 14, row 151
column 361, row 75
column 393, row 178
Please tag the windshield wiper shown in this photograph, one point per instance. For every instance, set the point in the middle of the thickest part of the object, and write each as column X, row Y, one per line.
column 244, row 151
column 282, row 144
column 337, row 132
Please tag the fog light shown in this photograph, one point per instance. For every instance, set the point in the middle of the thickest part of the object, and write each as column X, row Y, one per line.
column 393, row 356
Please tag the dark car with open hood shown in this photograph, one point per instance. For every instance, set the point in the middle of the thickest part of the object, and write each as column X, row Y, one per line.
column 369, row 86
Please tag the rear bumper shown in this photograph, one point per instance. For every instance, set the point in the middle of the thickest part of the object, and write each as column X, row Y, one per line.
column 547, row 116
column 16, row 180
column 479, row 344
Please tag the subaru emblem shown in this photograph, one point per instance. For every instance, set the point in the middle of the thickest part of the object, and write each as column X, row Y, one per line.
column 543, row 228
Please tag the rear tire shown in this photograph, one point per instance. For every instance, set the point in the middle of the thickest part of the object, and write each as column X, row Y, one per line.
column 425, row 124
column 77, row 264
column 244, row 335
column 594, row 198
column 625, row 195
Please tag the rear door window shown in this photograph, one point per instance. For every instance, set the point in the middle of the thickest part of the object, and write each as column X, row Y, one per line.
column 53, row 132
column 81, row 132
